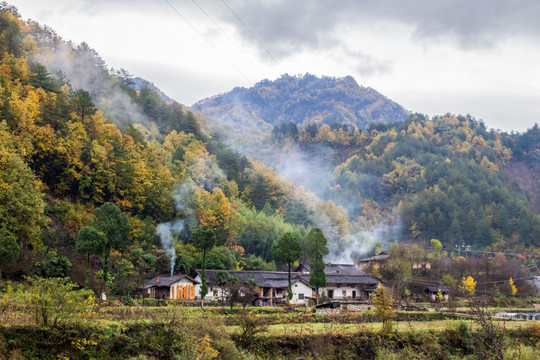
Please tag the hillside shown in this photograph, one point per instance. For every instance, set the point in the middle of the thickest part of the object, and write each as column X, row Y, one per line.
column 76, row 138
column 446, row 177
column 303, row 100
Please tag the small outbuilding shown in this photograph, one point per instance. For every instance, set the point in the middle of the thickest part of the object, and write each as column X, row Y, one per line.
column 433, row 291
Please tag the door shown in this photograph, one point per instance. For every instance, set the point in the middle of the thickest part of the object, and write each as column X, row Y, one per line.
column 354, row 294
column 330, row 294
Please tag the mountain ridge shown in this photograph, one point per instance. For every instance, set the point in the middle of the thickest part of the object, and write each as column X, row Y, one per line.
column 303, row 100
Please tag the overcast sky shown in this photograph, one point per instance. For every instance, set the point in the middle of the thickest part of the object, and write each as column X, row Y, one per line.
column 460, row 56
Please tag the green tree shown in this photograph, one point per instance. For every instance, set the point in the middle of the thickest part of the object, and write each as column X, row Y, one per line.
column 41, row 78
column 58, row 266
column 316, row 248
column 113, row 223
column 9, row 249
column 204, row 238
column 90, row 241
column 220, row 258
column 82, row 103
column 288, row 249
column 437, row 247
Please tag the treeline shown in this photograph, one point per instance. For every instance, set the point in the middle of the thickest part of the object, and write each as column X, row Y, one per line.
column 447, row 177
column 64, row 153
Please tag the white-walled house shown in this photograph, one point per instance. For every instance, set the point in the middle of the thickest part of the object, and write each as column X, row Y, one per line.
column 349, row 287
column 271, row 286
column 175, row 287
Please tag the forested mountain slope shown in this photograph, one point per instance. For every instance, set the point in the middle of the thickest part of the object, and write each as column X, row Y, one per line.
column 447, row 177
column 303, row 100
column 75, row 135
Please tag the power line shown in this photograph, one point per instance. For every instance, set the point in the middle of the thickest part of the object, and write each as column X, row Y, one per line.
column 229, row 38
column 492, row 252
column 208, row 41
column 253, row 35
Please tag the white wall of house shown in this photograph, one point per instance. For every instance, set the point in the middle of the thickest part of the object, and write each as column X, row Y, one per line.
column 342, row 292
column 214, row 292
column 301, row 293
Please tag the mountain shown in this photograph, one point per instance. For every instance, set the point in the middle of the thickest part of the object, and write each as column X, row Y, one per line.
column 140, row 83
column 303, row 100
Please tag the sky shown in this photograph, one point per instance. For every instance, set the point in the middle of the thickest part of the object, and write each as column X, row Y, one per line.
column 433, row 57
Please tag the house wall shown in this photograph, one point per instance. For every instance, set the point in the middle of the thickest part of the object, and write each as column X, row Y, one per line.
column 345, row 292
column 214, row 292
column 301, row 293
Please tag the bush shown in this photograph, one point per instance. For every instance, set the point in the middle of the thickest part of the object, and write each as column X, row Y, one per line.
column 54, row 300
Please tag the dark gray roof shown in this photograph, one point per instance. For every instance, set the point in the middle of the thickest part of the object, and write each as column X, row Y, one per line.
column 349, row 279
column 343, row 269
column 435, row 289
column 334, row 269
column 271, row 279
column 167, row 280
column 380, row 256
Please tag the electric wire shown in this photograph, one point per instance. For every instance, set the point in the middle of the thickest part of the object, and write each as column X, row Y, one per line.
column 238, row 47
column 491, row 252
column 208, row 41
column 253, row 35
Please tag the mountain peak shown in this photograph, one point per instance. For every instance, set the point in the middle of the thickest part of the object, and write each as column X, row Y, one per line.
column 304, row 99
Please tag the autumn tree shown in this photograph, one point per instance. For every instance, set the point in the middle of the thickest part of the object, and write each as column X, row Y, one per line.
column 288, row 249
column 383, row 301
column 204, row 238
column 22, row 210
column 316, row 248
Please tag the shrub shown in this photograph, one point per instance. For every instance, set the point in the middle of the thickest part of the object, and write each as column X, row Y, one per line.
column 54, row 300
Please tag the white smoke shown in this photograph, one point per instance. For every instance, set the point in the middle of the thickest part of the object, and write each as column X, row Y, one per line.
column 166, row 232
column 362, row 242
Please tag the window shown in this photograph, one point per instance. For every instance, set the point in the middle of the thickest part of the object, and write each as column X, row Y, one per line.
column 344, row 293
column 215, row 293
column 301, row 296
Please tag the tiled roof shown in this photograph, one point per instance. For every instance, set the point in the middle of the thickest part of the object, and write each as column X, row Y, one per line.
column 375, row 257
column 277, row 279
column 350, row 279
column 273, row 279
column 167, row 280
column 343, row 269
column 334, row 269
column 435, row 289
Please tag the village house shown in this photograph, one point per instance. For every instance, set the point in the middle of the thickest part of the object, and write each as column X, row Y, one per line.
column 433, row 291
column 345, row 282
column 175, row 287
column 271, row 286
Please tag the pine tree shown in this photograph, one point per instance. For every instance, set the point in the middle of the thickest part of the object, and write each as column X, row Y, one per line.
column 316, row 248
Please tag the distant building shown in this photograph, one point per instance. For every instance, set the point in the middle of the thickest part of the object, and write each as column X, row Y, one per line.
column 432, row 292
column 175, row 287
column 380, row 257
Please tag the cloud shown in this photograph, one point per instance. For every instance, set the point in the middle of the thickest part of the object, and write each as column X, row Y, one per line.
column 287, row 26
